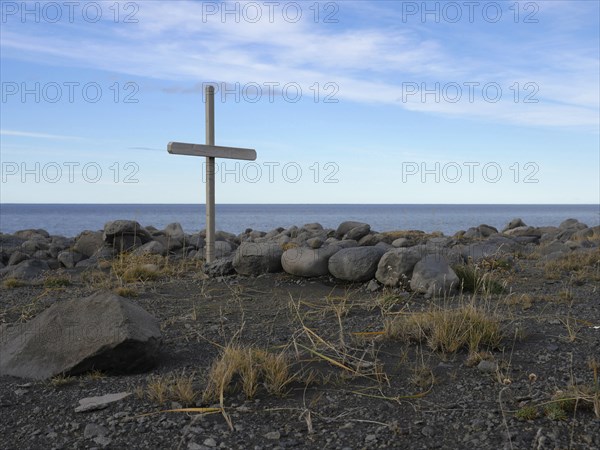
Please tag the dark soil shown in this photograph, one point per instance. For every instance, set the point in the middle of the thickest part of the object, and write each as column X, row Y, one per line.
column 401, row 395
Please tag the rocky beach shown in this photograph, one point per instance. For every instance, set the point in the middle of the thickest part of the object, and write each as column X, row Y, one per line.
column 301, row 337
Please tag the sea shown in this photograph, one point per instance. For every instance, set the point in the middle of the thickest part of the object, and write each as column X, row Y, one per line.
column 70, row 219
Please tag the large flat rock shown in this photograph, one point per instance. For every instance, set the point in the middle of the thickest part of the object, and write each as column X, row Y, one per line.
column 100, row 332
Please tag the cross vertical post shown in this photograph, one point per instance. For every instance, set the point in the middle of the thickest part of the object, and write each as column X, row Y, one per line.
column 210, row 151
column 210, row 174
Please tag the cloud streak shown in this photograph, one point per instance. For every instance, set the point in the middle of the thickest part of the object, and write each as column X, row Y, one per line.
column 175, row 43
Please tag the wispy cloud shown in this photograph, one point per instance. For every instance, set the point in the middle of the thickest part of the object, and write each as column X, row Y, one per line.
column 174, row 42
column 29, row 134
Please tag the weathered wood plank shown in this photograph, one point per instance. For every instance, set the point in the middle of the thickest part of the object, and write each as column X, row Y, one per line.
column 214, row 151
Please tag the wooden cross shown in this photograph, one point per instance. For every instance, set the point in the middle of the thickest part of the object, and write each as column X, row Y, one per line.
column 211, row 151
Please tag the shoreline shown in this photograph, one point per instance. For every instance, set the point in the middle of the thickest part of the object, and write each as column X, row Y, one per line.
column 306, row 251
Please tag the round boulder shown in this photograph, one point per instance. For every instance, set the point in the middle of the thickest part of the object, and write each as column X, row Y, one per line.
column 433, row 276
column 355, row 263
column 397, row 265
column 252, row 258
column 308, row 262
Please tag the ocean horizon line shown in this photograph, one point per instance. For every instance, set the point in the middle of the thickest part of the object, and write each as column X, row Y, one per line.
column 354, row 204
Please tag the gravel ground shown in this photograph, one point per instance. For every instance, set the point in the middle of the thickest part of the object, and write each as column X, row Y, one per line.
column 420, row 398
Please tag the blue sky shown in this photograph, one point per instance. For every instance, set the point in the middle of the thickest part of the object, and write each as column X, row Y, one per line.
column 344, row 102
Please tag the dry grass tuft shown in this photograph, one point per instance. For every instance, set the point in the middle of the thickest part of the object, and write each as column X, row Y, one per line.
column 448, row 329
column 131, row 268
column 474, row 278
column 11, row 283
column 245, row 367
column 157, row 389
column 179, row 388
column 61, row 380
column 95, row 375
column 580, row 265
column 96, row 279
column 127, row 292
column 57, row 282
column 182, row 390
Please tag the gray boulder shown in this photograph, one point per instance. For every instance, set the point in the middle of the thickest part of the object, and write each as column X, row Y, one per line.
column 150, row 248
column 584, row 234
column 219, row 267
column 253, row 258
column 174, row 231
column 10, row 243
column 69, row 259
column 493, row 247
column 196, row 240
column 33, row 245
column 101, row 332
column 402, row 242
column 553, row 247
column 482, row 231
column 572, row 223
column 125, row 235
column 314, row 242
column 312, row 227
column 433, row 277
column 32, row 234
column 346, row 243
column 397, row 265
column 515, row 223
column 126, row 242
column 345, row 227
column 368, row 240
column 357, row 233
column 524, row 231
column 222, row 249
column 355, row 263
column 17, row 257
column 26, row 270
column 88, row 243
column 308, row 262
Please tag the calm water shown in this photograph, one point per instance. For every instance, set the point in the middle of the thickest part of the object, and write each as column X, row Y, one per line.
column 70, row 219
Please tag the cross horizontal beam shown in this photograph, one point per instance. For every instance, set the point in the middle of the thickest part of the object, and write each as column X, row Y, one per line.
column 212, row 151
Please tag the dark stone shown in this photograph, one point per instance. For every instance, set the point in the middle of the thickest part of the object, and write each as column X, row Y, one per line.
column 101, row 332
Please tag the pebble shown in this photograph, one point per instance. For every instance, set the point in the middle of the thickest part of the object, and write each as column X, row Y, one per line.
column 486, row 366
column 274, row 435
column 210, row 442
column 92, row 430
column 427, row 431
column 103, row 441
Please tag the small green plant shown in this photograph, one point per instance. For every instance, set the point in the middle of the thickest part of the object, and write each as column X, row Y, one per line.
column 555, row 411
column 57, row 282
column 528, row 412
